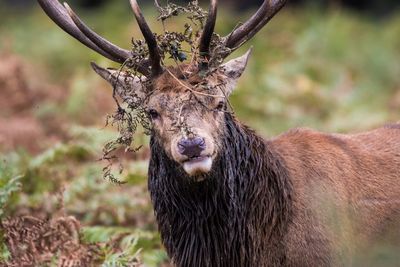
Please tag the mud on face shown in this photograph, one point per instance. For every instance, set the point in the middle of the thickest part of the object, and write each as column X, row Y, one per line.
column 187, row 116
column 186, row 108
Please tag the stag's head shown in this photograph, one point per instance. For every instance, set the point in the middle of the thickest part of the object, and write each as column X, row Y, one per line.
column 186, row 104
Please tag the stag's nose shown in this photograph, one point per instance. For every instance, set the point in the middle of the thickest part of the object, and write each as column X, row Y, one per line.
column 191, row 147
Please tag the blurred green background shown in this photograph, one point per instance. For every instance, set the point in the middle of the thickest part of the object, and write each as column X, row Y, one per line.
column 328, row 65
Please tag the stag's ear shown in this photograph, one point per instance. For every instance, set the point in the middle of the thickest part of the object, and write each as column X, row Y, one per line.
column 233, row 69
column 126, row 86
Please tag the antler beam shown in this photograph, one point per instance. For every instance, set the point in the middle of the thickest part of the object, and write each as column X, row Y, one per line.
column 155, row 58
column 246, row 31
column 60, row 16
column 67, row 20
column 208, row 30
column 105, row 45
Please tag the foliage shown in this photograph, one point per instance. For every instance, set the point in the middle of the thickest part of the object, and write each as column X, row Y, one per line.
column 133, row 246
column 132, row 113
column 127, row 120
column 9, row 185
column 334, row 71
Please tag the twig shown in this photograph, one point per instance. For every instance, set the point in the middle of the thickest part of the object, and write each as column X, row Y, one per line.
column 190, row 89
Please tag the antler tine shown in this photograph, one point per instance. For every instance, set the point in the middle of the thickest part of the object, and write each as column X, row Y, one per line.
column 247, row 30
column 110, row 48
column 60, row 16
column 155, row 58
column 208, row 31
column 118, row 53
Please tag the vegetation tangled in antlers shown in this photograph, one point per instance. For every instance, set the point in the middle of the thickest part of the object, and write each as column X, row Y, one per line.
column 146, row 58
column 129, row 116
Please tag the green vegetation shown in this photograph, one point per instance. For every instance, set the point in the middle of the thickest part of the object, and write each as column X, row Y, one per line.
column 334, row 71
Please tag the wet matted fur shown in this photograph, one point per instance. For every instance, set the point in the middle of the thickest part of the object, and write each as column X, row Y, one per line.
column 236, row 217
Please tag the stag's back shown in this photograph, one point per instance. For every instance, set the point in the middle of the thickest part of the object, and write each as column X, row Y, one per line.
column 346, row 193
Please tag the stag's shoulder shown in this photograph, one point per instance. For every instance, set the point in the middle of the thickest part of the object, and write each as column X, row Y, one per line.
column 307, row 143
column 305, row 140
column 383, row 138
column 307, row 137
column 342, row 159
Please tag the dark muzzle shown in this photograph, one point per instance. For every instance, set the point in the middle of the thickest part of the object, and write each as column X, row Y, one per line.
column 191, row 147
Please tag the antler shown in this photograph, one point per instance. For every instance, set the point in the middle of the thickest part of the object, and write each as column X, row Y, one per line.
column 155, row 58
column 60, row 16
column 247, row 30
column 205, row 39
column 67, row 20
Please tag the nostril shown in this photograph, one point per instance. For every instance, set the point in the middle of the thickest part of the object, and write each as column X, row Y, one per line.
column 202, row 143
column 181, row 147
column 195, row 141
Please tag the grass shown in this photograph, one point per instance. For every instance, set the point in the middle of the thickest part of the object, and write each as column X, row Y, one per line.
column 331, row 70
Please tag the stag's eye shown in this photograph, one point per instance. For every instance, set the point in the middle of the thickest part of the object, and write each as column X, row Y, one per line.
column 220, row 106
column 153, row 114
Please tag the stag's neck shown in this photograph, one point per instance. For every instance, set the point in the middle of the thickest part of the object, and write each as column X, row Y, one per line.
column 236, row 217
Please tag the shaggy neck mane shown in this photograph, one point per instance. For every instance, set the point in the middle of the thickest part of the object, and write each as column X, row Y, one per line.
column 236, row 217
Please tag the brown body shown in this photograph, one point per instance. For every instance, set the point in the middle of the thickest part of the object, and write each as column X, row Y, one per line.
column 346, row 193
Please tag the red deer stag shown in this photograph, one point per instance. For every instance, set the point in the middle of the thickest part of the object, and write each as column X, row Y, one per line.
column 224, row 196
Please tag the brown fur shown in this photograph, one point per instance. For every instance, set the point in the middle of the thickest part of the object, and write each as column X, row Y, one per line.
column 346, row 192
